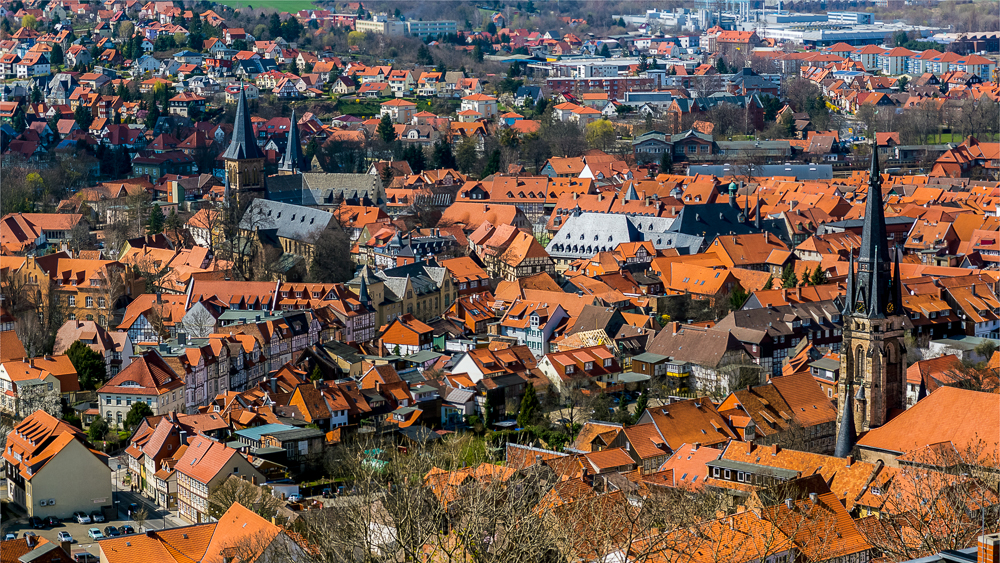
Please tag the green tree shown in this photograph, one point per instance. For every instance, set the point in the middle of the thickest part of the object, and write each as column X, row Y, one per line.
column 737, row 297
column 477, row 54
column 491, row 28
column 600, row 134
column 530, row 407
column 788, row 124
column 173, row 223
column 29, row 22
column 83, row 117
column 666, row 163
column 605, row 52
column 56, row 56
column 640, row 405
column 316, row 374
column 466, row 157
column 274, row 25
column 818, row 276
column 788, row 279
column 493, row 164
column 720, row 65
column 643, row 62
column 424, row 56
column 385, row 130
column 154, row 225
column 902, row 82
column 443, row 157
column 152, row 116
column 135, row 414
column 487, row 410
column 17, row 121
column 98, row 429
column 89, row 365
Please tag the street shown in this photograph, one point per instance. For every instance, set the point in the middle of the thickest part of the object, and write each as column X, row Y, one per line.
column 157, row 519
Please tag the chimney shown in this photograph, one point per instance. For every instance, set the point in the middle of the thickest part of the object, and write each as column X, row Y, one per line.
column 813, row 498
column 850, row 460
column 29, row 541
column 789, row 503
column 777, row 449
column 316, row 384
column 989, row 549
column 151, row 533
column 181, row 338
column 274, row 384
column 159, row 298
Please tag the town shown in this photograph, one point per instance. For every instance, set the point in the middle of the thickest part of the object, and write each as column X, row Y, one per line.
column 631, row 282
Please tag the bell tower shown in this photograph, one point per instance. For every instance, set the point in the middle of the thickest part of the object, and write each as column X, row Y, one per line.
column 871, row 381
column 244, row 159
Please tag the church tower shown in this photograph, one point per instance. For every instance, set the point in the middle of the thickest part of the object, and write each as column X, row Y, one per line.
column 244, row 159
column 871, row 381
column 292, row 161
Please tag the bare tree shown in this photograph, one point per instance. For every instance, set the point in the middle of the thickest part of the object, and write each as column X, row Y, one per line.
column 258, row 500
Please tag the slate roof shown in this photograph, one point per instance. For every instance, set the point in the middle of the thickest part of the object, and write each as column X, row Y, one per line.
column 293, row 222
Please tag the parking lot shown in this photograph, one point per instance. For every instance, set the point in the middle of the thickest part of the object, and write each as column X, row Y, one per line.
column 78, row 531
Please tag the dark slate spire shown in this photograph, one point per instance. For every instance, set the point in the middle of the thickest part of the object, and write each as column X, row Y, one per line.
column 846, row 437
column 243, row 146
column 849, row 297
column 874, row 290
column 363, row 295
column 292, row 160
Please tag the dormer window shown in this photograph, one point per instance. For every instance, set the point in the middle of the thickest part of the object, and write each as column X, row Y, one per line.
column 570, row 370
column 588, row 366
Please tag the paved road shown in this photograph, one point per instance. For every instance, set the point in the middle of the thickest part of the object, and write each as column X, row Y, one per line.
column 158, row 518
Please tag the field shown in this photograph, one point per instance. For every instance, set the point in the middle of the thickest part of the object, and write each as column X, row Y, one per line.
column 290, row 6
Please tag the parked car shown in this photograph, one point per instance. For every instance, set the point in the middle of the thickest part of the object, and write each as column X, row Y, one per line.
column 327, row 493
column 36, row 523
column 132, row 508
column 52, row 521
column 95, row 534
column 65, row 536
column 295, row 498
column 126, row 529
column 81, row 517
column 97, row 516
column 10, row 536
column 111, row 532
column 84, row 556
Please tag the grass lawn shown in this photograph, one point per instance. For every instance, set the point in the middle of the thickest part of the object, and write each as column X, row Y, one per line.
column 348, row 106
column 290, row 6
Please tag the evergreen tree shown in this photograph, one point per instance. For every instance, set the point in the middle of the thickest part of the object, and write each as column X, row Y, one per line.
column 530, row 407
column 18, row 122
column 135, row 414
column 385, row 130
column 491, row 28
column 56, row 56
column 152, row 116
column 605, row 52
column 83, row 117
column 788, row 279
column 154, row 224
column 621, row 22
column 666, row 163
column 89, row 365
column 316, row 374
column 788, row 124
column 443, row 157
column 274, row 26
column 36, row 95
column 818, row 276
column 98, row 428
column 640, row 405
column 477, row 54
column 493, row 164
column 424, row 56
column 720, row 65
column 487, row 411
column 643, row 62
column 737, row 297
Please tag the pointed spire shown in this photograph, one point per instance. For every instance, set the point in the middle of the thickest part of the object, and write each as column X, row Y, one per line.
column 243, row 146
column 846, row 435
column 292, row 160
column 873, row 234
column 849, row 298
column 756, row 218
column 363, row 289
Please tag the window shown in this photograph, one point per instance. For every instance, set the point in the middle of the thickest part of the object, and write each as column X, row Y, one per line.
column 100, row 302
column 71, row 300
column 570, row 370
column 90, row 302
column 607, row 362
column 728, row 474
column 715, row 472
column 118, row 400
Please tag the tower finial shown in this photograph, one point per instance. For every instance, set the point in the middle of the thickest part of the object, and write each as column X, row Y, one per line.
column 846, row 435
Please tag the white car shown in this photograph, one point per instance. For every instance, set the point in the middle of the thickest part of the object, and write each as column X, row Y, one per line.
column 65, row 536
column 95, row 534
column 294, row 498
column 81, row 517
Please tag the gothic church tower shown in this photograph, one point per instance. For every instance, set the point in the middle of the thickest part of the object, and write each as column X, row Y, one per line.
column 244, row 159
column 872, row 378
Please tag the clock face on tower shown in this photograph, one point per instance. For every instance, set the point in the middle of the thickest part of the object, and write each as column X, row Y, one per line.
column 890, row 308
column 860, row 307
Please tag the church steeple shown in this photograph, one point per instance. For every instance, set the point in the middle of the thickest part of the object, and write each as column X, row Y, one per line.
column 846, row 436
column 244, row 160
column 874, row 295
column 871, row 386
column 292, row 162
column 243, row 145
